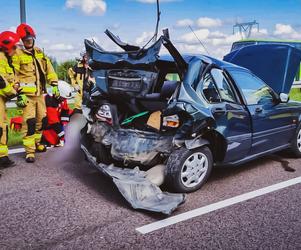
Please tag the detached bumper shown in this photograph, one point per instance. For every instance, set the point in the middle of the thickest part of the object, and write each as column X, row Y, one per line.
column 137, row 190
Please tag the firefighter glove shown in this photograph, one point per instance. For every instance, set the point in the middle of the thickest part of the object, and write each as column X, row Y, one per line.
column 55, row 91
column 21, row 101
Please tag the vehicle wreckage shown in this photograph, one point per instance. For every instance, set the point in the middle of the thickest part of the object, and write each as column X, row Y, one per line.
column 176, row 116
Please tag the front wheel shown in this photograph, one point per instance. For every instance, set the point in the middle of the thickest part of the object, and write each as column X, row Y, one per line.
column 296, row 143
column 187, row 170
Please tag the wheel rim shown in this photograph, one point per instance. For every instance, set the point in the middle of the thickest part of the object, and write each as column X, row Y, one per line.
column 299, row 140
column 194, row 169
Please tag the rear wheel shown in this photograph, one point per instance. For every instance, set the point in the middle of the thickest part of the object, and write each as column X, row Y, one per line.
column 296, row 143
column 187, row 170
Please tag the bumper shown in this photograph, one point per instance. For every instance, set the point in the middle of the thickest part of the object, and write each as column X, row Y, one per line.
column 137, row 190
column 132, row 146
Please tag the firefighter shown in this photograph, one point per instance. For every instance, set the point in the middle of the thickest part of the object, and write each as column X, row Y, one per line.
column 34, row 70
column 58, row 116
column 8, row 87
column 80, row 80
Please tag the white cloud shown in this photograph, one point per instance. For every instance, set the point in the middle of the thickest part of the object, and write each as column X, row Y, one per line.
column 144, row 38
column 261, row 33
column 217, row 34
column 190, row 38
column 88, row 7
column 184, row 23
column 286, row 31
column 207, row 22
column 226, row 40
column 61, row 47
column 281, row 29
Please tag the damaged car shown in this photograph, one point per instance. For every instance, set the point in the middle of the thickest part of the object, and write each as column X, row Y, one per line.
column 185, row 114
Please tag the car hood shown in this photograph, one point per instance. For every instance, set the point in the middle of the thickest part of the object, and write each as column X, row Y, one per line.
column 275, row 64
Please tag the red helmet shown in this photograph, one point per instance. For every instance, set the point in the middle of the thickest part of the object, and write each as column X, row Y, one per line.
column 25, row 31
column 8, row 40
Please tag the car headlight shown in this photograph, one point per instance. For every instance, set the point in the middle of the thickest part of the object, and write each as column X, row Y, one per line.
column 171, row 121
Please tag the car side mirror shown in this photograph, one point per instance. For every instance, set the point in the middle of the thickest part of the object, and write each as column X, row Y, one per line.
column 283, row 97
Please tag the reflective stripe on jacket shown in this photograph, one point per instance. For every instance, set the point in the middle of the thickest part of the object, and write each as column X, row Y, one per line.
column 8, row 77
column 34, row 68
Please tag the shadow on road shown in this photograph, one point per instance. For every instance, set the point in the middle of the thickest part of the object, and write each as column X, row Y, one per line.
column 281, row 157
column 72, row 160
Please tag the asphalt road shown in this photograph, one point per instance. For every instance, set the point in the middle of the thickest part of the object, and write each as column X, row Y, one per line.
column 60, row 202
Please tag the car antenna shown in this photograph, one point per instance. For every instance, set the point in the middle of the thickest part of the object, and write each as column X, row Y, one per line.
column 198, row 39
column 158, row 21
column 155, row 36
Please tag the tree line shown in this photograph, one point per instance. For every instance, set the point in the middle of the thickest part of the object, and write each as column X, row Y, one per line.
column 62, row 68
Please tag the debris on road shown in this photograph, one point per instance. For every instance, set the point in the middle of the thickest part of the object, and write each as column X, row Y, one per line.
column 138, row 190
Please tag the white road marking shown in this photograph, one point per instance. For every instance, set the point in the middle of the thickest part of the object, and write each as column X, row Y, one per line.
column 215, row 206
column 16, row 151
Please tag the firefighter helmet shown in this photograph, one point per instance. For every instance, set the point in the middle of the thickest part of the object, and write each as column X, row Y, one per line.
column 65, row 90
column 8, row 40
column 25, row 31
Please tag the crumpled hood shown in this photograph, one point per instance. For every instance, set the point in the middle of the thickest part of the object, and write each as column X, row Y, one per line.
column 275, row 64
column 101, row 59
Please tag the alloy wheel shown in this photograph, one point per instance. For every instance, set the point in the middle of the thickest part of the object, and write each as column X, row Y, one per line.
column 299, row 140
column 195, row 167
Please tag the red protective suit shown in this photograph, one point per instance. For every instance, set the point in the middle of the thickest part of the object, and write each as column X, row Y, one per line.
column 58, row 115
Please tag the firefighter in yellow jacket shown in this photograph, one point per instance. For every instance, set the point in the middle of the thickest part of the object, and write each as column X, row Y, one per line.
column 8, row 87
column 79, row 77
column 34, row 70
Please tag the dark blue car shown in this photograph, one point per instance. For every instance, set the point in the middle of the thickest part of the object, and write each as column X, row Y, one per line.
column 190, row 113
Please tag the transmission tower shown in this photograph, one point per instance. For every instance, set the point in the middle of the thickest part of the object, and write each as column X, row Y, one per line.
column 245, row 29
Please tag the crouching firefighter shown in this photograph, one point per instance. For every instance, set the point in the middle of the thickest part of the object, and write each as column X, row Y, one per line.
column 81, row 80
column 33, row 70
column 58, row 116
column 8, row 87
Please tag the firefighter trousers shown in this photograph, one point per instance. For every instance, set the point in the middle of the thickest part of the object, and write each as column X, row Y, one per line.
column 3, row 128
column 34, row 120
column 78, row 99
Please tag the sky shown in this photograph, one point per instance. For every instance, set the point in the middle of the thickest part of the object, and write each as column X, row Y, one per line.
column 62, row 25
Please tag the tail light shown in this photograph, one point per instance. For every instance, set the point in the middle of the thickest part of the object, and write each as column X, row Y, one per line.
column 104, row 114
column 171, row 121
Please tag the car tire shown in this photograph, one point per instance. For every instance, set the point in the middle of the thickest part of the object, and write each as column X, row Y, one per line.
column 101, row 153
column 296, row 143
column 187, row 170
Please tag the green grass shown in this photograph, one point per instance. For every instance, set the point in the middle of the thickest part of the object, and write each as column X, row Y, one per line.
column 14, row 138
column 295, row 95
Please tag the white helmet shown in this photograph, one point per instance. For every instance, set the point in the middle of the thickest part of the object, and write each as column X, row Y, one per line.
column 65, row 89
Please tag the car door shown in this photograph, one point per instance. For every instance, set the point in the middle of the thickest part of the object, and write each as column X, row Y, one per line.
column 232, row 118
column 272, row 122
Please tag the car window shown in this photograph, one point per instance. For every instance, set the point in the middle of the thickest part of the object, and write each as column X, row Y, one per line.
column 254, row 89
column 225, row 91
column 208, row 88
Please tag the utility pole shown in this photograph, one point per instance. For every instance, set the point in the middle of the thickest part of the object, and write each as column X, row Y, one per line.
column 22, row 11
column 245, row 29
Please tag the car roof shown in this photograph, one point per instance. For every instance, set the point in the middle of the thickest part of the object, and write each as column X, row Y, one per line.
column 190, row 58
